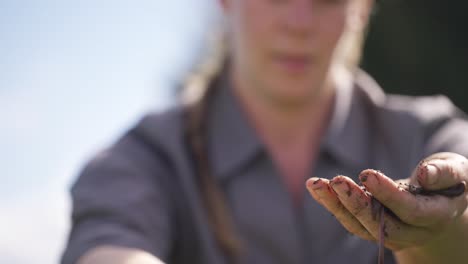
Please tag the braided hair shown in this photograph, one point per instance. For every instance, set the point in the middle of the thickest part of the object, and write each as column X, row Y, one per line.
column 197, row 95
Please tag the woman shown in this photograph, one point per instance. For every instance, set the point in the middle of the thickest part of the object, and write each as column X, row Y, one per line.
column 221, row 178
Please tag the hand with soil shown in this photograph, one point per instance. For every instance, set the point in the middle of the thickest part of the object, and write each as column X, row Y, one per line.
column 423, row 219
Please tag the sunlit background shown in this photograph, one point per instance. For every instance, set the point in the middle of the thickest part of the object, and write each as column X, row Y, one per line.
column 73, row 76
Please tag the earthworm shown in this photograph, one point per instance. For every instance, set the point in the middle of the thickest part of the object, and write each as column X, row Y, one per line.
column 378, row 209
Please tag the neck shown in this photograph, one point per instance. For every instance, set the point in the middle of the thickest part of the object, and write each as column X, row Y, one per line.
column 291, row 133
column 288, row 126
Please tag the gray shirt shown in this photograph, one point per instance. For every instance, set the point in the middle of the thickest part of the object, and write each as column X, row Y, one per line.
column 141, row 191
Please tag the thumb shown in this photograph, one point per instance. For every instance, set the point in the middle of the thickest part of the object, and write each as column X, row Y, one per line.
column 442, row 170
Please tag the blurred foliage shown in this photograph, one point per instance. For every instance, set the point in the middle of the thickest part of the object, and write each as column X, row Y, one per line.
column 420, row 47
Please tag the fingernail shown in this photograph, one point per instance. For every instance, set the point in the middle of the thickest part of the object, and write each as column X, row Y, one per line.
column 364, row 176
column 341, row 189
column 431, row 175
column 311, row 184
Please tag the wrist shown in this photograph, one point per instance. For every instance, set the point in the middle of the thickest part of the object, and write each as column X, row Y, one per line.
column 447, row 247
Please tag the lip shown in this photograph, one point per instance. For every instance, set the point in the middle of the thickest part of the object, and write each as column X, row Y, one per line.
column 294, row 63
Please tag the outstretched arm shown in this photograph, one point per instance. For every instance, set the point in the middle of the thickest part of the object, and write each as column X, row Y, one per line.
column 118, row 255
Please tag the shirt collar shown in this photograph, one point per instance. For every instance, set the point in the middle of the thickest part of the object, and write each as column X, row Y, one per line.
column 350, row 130
column 233, row 141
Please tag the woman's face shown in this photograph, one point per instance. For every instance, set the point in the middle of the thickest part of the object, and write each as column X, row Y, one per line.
column 283, row 49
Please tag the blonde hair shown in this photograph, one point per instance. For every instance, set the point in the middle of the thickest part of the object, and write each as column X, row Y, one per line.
column 350, row 47
column 208, row 66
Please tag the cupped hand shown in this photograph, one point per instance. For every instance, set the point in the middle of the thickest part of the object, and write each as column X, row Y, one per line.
column 411, row 220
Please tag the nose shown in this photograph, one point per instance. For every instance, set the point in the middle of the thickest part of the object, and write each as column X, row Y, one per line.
column 299, row 17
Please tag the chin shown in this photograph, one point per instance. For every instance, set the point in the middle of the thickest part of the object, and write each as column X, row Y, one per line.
column 285, row 88
column 293, row 93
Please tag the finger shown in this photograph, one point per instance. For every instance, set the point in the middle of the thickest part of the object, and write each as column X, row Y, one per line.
column 359, row 204
column 323, row 193
column 442, row 170
column 356, row 201
column 417, row 210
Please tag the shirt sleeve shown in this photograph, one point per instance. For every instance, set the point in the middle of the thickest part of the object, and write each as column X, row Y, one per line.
column 448, row 132
column 121, row 198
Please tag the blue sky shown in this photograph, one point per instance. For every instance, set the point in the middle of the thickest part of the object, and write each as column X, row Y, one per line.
column 73, row 76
